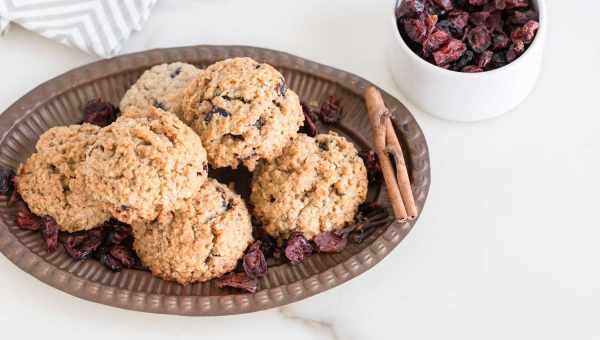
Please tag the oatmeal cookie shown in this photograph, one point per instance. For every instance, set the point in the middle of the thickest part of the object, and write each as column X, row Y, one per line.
column 50, row 182
column 243, row 112
column 315, row 186
column 144, row 163
column 160, row 87
column 202, row 240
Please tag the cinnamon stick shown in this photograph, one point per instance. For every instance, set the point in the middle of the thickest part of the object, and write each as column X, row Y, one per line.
column 377, row 118
column 380, row 115
column 402, row 178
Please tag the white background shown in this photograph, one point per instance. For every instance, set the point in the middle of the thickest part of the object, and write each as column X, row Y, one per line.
column 507, row 247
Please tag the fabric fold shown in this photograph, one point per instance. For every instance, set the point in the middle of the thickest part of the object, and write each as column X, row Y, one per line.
column 99, row 27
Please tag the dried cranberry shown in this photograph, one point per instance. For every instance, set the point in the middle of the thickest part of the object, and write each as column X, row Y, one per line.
column 254, row 262
column 50, row 233
column 123, row 254
column 81, row 246
column 484, row 59
column 27, row 220
column 516, row 4
column 297, row 248
column 515, row 50
column 309, row 127
column 500, row 41
column 238, row 281
column 472, row 69
column 500, row 4
column 434, row 41
column 329, row 242
column 372, row 164
column 430, row 22
column 99, row 112
column 330, row 111
column 448, row 27
column 410, row 8
column 110, row 262
column 445, row 4
column 450, row 52
column 466, row 33
column 477, row 2
column 72, row 241
column 526, row 33
column 117, row 232
column 467, row 58
column 479, row 18
column 518, row 47
column 522, row 17
column 459, row 19
column 431, row 8
column 415, row 29
column 494, row 22
column 479, row 39
column 499, row 59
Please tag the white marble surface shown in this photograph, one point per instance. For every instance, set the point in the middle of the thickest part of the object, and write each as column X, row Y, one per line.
column 507, row 247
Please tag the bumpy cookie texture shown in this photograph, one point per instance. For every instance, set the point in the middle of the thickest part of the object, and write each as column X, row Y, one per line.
column 315, row 186
column 50, row 181
column 144, row 163
column 243, row 112
column 160, row 87
column 202, row 240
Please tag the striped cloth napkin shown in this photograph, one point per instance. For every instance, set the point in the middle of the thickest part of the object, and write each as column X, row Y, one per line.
column 95, row 26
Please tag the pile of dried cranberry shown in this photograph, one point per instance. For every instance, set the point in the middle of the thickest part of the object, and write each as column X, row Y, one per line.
column 329, row 113
column 296, row 249
column 110, row 243
column 468, row 35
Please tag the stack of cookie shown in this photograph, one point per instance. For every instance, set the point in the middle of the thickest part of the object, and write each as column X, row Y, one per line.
column 149, row 168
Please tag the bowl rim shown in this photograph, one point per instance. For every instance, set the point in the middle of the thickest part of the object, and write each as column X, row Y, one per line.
column 538, row 40
column 101, row 290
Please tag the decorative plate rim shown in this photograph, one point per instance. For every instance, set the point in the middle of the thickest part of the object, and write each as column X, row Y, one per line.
column 263, row 299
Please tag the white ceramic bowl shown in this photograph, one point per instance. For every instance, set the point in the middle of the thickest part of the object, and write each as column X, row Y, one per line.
column 461, row 96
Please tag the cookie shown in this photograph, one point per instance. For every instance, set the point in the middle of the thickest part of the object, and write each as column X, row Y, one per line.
column 143, row 163
column 159, row 87
column 202, row 240
column 315, row 186
column 50, row 182
column 243, row 112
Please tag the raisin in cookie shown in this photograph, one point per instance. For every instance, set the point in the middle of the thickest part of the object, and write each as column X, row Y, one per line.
column 160, row 87
column 144, row 163
column 50, row 182
column 243, row 112
column 202, row 240
column 315, row 186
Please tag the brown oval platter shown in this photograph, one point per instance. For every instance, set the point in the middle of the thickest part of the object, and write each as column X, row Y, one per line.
column 59, row 102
